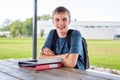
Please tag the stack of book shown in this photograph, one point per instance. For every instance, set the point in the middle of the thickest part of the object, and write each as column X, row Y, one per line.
column 41, row 64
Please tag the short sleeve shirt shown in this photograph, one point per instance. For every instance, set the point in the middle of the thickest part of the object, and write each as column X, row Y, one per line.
column 62, row 46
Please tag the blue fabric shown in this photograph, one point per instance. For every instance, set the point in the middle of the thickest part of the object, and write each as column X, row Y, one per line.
column 62, row 46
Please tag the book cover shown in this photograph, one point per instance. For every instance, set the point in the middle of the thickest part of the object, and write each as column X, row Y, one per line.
column 48, row 66
column 49, row 60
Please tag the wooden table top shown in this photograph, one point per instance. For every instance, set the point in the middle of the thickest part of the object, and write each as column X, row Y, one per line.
column 9, row 70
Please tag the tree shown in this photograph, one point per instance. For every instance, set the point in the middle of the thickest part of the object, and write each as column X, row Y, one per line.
column 27, row 27
column 5, row 28
column 44, row 17
column 5, row 25
column 16, row 28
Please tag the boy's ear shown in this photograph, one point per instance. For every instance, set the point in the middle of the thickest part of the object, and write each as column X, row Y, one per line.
column 52, row 21
column 69, row 21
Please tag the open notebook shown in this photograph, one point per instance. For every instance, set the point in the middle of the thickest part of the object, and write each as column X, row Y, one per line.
column 41, row 64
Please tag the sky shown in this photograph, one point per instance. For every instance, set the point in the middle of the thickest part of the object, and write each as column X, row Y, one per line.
column 82, row 10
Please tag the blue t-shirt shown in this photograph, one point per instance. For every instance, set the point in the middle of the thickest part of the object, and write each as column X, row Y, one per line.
column 62, row 46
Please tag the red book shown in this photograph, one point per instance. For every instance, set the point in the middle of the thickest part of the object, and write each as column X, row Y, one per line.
column 48, row 66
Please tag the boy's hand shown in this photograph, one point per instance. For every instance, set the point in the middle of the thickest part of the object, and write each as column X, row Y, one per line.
column 48, row 51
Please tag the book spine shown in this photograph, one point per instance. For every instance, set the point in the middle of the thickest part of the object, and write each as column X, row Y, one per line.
column 48, row 66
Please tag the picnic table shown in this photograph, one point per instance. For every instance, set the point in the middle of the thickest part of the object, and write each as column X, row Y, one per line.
column 9, row 70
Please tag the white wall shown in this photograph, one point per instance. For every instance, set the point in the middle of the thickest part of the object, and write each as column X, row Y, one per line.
column 99, row 33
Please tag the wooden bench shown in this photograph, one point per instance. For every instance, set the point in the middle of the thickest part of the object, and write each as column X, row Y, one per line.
column 9, row 70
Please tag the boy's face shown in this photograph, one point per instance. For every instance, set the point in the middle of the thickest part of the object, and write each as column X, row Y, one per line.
column 61, row 22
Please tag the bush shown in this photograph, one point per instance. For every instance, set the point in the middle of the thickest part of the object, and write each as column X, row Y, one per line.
column 4, row 36
column 42, row 32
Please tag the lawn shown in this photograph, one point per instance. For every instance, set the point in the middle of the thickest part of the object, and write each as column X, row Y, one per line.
column 105, row 53
column 102, row 53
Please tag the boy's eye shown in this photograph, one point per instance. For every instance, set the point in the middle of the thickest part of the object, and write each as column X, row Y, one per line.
column 56, row 19
column 64, row 19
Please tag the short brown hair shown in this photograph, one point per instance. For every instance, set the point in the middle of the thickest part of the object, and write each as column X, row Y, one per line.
column 61, row 9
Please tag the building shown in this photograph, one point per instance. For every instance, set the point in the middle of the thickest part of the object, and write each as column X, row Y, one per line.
column 5, row 33
column 89, row 30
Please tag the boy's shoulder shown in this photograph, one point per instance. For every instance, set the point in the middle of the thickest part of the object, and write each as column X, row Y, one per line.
column 75, row 32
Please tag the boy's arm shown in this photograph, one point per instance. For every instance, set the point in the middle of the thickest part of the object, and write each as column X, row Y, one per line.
column 69, row 60
column 43, row 55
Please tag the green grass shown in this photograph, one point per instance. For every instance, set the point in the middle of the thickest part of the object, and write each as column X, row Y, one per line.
column 105, row 53
column 18, row 47
column 102, row 53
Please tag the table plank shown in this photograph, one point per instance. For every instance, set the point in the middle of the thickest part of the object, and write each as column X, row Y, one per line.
column 4, row 76
column 15, row 72
column 74, row 75
column 96, row 74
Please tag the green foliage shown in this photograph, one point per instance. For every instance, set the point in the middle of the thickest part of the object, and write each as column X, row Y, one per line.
column 2, row 36
column 44, row 17
column 27, row 27
column 5, row 28
column 42, row 33
column 16, row 28
column 5, row 25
